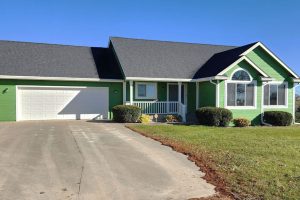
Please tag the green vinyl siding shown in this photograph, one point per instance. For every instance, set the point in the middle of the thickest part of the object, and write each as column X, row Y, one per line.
column 191, row 98
column 8, row 100
column 273, row 69
column 207, row 94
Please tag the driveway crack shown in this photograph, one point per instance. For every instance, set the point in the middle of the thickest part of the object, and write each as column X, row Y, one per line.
column 82, row 165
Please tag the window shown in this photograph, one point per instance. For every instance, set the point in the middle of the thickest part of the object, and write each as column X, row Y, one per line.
column 241, row 90
column 145, row 91
column 241, row 94
column 275, row 94
column 241, row 75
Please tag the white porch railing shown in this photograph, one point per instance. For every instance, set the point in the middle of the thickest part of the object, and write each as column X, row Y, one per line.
column 162, row 107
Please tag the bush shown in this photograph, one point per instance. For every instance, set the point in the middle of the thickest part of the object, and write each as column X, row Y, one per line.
column 241, row 122
column 278, row 118
column 126, row 113
column 173, row 118
column 212, row 116
column 145, row 119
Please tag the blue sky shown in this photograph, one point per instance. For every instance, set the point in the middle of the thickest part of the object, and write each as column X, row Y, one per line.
column 90, row 22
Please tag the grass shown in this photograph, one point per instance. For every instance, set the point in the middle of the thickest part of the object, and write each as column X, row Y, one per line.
column 254, row 162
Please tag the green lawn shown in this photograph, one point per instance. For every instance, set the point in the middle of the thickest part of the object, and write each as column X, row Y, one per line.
column 254, row 162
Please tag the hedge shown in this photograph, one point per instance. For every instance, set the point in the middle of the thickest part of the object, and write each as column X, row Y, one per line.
column 212, row 116
column 278, row 118
column 241, row 122
column 126, row 113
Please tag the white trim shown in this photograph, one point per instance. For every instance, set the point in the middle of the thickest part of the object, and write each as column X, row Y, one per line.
column 145, row 83
column 286, row 95
column 241, row 69
column 218, row 94
column 197, row 95
column 124, row 92
column 296, row 80
column 59, row 78
column 210, row 78
column 240, row 60
column 131, row 92
column 272, row 55
column 158, row 79
column 241, row 107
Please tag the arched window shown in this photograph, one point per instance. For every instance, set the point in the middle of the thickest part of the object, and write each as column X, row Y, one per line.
column 241, row 75
column 241, row 90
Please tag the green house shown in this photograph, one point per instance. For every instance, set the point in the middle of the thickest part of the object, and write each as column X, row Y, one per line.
column 46, row 81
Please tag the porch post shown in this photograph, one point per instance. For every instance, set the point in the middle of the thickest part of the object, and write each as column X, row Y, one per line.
column 124, row 92
column 131, row 92
column 179, row 92
column 197, row 95
column 217, row 94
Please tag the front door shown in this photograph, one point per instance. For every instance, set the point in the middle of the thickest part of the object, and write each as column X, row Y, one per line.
column 173, row 93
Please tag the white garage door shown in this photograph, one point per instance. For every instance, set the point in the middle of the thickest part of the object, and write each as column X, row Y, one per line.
column 43, row 103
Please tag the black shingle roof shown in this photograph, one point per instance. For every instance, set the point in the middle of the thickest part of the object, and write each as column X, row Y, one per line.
column 160, row 59
column 47, row 60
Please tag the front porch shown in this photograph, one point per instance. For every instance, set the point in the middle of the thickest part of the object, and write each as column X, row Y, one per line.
column 159, row 98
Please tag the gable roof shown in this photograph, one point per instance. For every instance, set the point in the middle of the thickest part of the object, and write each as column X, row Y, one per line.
column 161, row 59
column 49, row 60
column 220, row 61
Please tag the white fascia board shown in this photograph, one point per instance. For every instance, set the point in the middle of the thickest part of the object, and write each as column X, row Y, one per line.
column 272, row 55
column 296, row 80
column 158, row 79
column 240, row 60
column 58, row 78
column 266, row 79
column 211, row 78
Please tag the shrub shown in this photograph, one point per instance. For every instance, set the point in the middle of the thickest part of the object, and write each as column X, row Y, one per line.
column 241, row 122
column 278, row 118
column 126, row 113
column 145, row 119
column 173, row 118
column 212, row 116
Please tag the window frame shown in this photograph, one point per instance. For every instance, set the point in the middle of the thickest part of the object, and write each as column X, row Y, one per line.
column 254, row 82
column 245, row 82
column 147, row 95
column 285, row 91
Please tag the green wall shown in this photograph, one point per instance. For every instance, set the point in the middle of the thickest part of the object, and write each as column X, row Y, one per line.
column 272, row 68
column 8, row 99
column 207, row 94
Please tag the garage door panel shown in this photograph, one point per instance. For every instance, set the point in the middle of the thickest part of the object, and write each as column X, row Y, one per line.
column 39, row 103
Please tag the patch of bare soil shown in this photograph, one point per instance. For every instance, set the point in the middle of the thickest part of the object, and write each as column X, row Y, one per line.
column 202, row 161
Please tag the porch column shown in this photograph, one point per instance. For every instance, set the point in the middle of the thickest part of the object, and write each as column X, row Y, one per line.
column 124, row 92
column 131, row 92
column 179, row 92
column 197, row 95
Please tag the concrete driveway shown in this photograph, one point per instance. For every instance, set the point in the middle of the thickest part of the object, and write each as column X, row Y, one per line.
column 84, row 160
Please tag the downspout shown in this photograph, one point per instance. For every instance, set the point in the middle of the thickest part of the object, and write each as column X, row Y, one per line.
column 217, row 91
column 262, row 105
column 294, row 103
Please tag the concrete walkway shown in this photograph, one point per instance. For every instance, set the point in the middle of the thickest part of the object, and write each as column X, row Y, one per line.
column 92, row 161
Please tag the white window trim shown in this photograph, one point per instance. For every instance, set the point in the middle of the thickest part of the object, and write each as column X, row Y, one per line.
column 241, row 107
column 286, row 95
column 146, row 97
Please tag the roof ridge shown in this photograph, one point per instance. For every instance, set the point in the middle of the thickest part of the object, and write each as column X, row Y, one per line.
column 166, row 41
column 50, row 44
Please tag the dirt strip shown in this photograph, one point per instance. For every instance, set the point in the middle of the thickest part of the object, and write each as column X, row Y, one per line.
column 205, row 165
